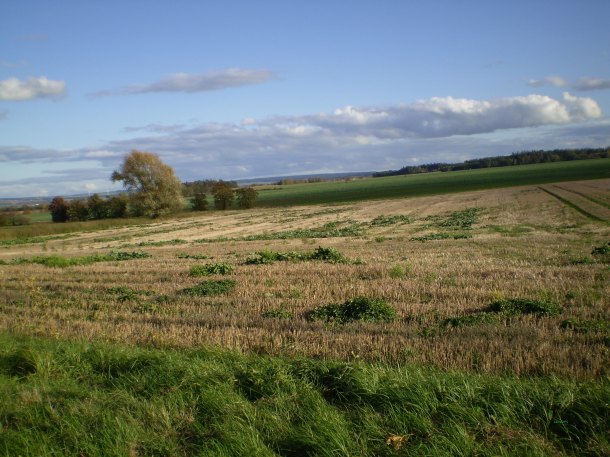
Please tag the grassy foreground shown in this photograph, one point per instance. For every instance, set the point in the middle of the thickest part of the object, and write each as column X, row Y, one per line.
column 433, row 183
column 67, row 398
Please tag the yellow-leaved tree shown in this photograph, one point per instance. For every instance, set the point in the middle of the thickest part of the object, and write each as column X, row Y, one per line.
column 153, row 187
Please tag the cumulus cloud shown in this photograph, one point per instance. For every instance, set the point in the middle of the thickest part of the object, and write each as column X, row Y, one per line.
column 189, row 83
column 31, row 88
column 585, row 83
column 349, row 139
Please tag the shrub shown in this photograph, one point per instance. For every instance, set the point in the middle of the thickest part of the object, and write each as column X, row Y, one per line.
column 355, row 309
column 515, row 306
column 211, row 288
column 211, row 269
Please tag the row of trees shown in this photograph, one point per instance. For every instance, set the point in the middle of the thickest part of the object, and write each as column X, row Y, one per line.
column 94, row 207
column 153, row 190
column 519, row 158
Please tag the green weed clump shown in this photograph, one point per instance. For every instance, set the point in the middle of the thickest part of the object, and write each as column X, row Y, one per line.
column 328, row 230
column 211, row 288
column 125, row 255
column 383, row 220
column 460, row 220
column 441, row 236
column 515, row 306
column 184, row 255
column 472, row 319
column 604, row 249
column 162, row 243
column 266, row 257
column 355, row 309
column 330, row 255
column 397, row 272
column 211, row 269
column 56, row 261
column 124, row 293
column 586, row 325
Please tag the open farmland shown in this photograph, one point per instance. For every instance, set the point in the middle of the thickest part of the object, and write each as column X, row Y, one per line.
column 467, row 323
column 440, row 262
column 418, row 185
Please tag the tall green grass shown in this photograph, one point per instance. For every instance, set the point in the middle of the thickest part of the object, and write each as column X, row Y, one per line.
column 66, row 398
column 434, row 183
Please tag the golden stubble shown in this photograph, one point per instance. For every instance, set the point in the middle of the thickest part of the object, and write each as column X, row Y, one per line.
column 525, row 244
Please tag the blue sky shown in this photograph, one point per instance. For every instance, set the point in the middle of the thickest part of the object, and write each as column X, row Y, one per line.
column 239, row 89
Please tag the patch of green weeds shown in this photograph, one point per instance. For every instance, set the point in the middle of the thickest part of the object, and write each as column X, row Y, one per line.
column 383, row 220
column 145, row 308
column 586, row 326
column 329, row 230
column 355, row 309
column 397, row 271
column 124, row 293
column 441, row 236
column 484, row 317
column 515, row 306
column 604, row 249
column 211, row 288
column 184, row 255
column 56, row 261
column 266, row 257
column 330, row 255
column 211, row 269
column 295, row 293
column 162, row 243
column 460, row 220
column 125, row 255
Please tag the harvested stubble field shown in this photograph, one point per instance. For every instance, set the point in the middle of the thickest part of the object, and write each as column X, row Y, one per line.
column 440, row 265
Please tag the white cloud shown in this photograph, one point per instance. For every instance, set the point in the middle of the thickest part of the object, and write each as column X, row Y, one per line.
column 189, row 83
column 347, row 139
column 16, row 89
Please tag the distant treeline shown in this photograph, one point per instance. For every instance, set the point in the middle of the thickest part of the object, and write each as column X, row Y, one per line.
column 517, row 158
column 205, row 186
